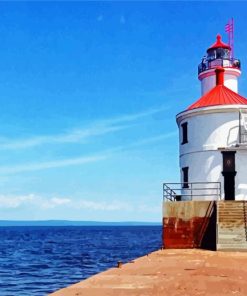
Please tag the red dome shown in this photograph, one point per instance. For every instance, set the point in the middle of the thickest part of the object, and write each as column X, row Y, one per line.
column 219, row 44
column 219, row 95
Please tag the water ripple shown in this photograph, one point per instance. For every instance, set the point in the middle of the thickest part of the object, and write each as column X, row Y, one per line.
column 39, row 260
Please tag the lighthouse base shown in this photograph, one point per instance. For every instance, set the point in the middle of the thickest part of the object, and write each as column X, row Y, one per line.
column 213, row 225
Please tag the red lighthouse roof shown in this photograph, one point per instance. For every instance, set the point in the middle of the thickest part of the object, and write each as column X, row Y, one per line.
column 219, row 95
column 219, row 44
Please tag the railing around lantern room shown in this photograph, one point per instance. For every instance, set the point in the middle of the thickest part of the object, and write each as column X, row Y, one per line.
column 192, row 191
column 207, row 64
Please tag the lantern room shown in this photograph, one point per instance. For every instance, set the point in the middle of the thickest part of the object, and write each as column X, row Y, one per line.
column 219, row 54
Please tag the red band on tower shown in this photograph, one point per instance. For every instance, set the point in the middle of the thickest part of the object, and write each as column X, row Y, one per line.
column 219, row 76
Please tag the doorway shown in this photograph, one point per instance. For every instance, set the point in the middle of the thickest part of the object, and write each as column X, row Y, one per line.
column 229, row 174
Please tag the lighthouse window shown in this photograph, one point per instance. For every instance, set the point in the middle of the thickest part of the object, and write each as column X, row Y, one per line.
column 184, row 127
column 185, row 171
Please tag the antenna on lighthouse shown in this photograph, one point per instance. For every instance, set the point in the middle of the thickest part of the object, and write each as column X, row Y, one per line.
column 229, row 28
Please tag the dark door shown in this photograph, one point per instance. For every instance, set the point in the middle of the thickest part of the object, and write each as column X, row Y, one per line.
column 229, row 186
column 229, row 174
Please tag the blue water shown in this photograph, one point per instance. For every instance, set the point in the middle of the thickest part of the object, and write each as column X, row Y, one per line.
column 40, row 260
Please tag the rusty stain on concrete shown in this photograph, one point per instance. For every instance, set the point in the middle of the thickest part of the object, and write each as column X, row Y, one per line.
column 170, row 272
column 185, row 223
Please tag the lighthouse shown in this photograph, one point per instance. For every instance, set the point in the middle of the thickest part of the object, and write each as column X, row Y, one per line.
column 208, row 207
column 213, row 130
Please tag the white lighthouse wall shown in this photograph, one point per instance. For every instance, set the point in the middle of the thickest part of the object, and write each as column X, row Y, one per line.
column 204, row 166
column 210, row 132
column 209, row 81
column 241, row 176
column 207, row 133
column 231, row 81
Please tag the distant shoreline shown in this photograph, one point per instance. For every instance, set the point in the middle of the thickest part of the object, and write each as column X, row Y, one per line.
column 9, row 223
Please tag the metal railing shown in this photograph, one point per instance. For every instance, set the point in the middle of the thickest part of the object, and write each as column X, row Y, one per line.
column 243, row 127
column 221, row 62
column 192, row 191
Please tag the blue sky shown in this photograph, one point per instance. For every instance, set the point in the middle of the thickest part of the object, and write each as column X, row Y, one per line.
column 89, row 92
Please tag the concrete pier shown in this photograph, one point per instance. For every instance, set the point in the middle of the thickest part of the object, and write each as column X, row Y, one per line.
column 170, row 272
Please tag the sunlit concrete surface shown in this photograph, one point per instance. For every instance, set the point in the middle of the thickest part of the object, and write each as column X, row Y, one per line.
column 170, row 272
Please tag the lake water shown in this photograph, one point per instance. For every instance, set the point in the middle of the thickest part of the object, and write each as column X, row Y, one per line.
column 40, row 260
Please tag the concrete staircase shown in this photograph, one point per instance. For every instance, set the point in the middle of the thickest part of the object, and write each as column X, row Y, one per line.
column 232, row 225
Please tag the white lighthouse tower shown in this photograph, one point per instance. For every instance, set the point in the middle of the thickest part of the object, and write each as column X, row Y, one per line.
column 213, row 131
column 208, row 207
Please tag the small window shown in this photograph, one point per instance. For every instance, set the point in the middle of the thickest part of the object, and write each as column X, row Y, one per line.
column 185, row 171
column 184, row 127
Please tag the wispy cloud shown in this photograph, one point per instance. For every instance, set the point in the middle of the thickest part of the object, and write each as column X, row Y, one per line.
column 9, row 201
column 49, row 203
column 103, row 206
column 46, row 203
column 97, row 128
column 57, row 202
column 28, row 167
column 16, row 201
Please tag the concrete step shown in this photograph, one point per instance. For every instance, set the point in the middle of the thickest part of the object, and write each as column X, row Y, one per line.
column 234, row 212
column 232, row 236
column 232, row 241
column 231, row 218
column 232, row 248
column 231, row 224
column 242, row 233
column 230, row 245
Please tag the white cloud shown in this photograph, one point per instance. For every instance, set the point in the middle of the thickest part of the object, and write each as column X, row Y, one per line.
column 45, row 203
column 53, row 202
column 103, row 206
column 74, row 136
column 8, row 201
column 28, row 167
column 97, row 128
column 16, row 201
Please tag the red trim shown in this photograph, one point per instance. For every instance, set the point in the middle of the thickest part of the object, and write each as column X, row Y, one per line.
column 219, row 95
column 219, row 76
column 219, row 44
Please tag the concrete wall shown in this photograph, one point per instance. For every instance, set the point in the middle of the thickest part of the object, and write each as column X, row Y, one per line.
column 197, row 224
column 185, row 223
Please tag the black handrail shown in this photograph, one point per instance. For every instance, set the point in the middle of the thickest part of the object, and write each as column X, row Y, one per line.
column 205, row 223
column 220, row 62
